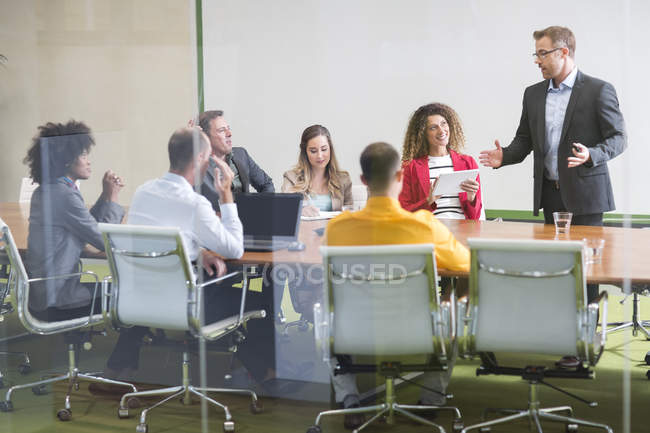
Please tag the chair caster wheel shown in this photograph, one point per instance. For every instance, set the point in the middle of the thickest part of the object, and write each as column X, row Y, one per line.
column 314, row 429
column 39, row 390
column 122, row 413
column 228, row 426
column 457, row 426
column 24, row 368
column 571, row 428
column 133, row 403
column 647, row 374
column 256, row 407
column 6, row 406
column 64, row 415
column 142, row 428
column 647, row 358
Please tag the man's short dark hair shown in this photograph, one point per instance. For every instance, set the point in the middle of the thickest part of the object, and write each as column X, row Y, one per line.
column 183, row 145
column 206, row 117
column 559, row 36
column 55, row 148
column 379, row 163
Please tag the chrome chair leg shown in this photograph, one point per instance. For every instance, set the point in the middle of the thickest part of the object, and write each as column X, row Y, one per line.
column 7, row 405
column 397, row 408
column 378, row 407
column 505, row 419
column 212, row 401
column 570, row 420
column 535, row 417
column 429, row 407
column 567, row 409
column 148, row 393
column 371, row 420
column 255, row 406
column 143, row 414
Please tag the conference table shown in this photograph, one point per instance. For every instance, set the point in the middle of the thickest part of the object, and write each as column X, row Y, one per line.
column 626, row 253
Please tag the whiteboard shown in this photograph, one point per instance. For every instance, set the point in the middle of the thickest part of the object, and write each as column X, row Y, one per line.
column 361, row 68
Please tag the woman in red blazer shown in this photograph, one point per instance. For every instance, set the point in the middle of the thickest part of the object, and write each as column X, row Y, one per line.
column 433, row 144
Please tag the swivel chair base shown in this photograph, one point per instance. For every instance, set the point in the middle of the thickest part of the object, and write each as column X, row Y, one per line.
column 72, row 376
column 185, row 391
column 535, row 414
column 636, row 324
column 388, row 409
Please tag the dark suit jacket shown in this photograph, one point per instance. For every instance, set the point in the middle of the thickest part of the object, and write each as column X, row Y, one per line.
column 250, row 174
column 592, row 118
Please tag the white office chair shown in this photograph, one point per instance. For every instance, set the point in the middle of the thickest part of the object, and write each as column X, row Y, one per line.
column 154, row 285
column 7, row 308
column 27, row 188
column 382, row 301
column 20, row 281
column 359, row 196
column 529, row 297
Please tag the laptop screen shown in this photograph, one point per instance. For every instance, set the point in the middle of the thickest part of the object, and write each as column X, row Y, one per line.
column 269, row 215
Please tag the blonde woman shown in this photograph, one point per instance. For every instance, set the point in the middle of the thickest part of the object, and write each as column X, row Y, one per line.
column 317, row 175
column 433, row 145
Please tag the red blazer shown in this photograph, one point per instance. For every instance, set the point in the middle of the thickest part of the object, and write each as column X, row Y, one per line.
column 416, row 185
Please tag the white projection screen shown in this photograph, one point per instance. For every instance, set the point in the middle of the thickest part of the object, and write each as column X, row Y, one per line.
column 362, row 67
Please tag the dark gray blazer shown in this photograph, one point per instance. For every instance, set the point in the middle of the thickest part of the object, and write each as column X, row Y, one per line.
column 592, row 118
column 250, row 174
column 60, row 226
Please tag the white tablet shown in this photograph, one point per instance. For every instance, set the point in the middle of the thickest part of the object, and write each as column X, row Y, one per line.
column 449, row 183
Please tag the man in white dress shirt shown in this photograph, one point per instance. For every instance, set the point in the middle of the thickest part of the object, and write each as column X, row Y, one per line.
column 172, row 201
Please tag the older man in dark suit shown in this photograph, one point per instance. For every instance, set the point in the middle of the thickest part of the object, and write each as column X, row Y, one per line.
column 247, row 172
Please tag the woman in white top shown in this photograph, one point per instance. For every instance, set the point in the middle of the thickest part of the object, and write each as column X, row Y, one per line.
column 317, row 175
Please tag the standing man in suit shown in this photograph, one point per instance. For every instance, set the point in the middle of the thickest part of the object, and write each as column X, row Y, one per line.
column 247, row 172
column 573, row 125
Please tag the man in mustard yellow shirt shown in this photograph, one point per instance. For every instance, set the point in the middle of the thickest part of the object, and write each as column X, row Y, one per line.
column 383, row 222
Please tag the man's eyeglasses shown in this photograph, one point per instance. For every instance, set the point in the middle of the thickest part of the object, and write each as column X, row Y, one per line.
column 541, row 54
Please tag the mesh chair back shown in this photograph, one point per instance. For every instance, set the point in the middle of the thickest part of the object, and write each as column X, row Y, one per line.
column 27, row 188
column 383, row 300
column 526, row 296
column 7, row 250
column 152, row 276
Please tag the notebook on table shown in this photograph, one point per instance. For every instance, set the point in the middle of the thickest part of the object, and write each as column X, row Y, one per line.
column 271, row 220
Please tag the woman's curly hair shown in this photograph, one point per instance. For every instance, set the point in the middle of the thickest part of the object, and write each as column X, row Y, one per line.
column 56, row 146
column 415, row 141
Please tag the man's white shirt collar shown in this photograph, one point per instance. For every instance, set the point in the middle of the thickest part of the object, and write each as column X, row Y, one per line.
column 177, row 179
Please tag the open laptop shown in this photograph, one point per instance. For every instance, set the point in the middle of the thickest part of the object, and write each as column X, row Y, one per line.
column 271, row 220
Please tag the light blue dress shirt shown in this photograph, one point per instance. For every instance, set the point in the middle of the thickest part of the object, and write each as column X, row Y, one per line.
column 557, row 100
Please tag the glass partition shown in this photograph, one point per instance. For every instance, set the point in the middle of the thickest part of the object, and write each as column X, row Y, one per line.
column 223, row 138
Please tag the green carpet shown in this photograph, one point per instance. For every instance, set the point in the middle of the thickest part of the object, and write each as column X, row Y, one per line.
column 620, row 387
